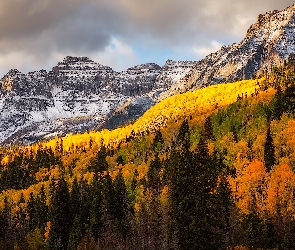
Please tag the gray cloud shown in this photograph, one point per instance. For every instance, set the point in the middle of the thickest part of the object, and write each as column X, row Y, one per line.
column 35, row 33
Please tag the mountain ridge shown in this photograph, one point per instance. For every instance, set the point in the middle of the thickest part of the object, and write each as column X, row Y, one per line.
column 76, row 96
column 79, row 95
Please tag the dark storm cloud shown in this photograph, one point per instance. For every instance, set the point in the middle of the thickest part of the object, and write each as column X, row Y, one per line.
column 32, row 31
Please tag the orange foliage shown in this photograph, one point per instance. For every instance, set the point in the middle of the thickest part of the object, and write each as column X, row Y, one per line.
column 281, row 189
column 248, row 187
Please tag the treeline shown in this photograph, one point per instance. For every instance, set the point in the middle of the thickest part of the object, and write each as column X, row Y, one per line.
column 103, row 214
column 218, row 175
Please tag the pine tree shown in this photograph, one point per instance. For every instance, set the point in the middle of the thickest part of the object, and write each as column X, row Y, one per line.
column 96, row 214
column 59, row 211
column 31, row 210
column 154, row 182
column 182, row 191
column 197, row 219
column 269, row 157
column 75, row 235
column 98, row 164
column 41, row 210
column 109, row 201
column 158, row 141
column 122, row 206
column 208, row 129
column 75, row 200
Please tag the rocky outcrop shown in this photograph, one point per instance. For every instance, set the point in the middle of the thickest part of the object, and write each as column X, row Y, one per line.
column 77, row 95
column 269, row 41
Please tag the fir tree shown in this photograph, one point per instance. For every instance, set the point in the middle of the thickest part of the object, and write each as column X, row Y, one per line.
column 60, row 216
column 75, row 235
column 154, row 182
column 269, row 157
column 158, row 141
column 122, row 207
column 99, row 164
column 96, row 214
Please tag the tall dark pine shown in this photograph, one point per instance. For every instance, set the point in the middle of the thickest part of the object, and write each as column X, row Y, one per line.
column 269, row 152
column 99, row 163
column 208, row 129
column 41, row 210
column 182, row 191
column 153, row 175
column 158, row 141
column 108, row 193
column 122, row 207
column 199, row 211
column 60, row 217
column 96, row 214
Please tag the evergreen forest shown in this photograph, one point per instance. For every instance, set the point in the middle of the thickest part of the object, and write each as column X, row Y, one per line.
column 209, row 169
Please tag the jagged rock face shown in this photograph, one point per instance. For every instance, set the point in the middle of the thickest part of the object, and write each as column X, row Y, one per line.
column 269, row 41
column 79, row 94
column 75, row 96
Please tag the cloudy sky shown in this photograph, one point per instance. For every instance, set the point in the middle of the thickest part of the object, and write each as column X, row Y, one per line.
column 36, row 34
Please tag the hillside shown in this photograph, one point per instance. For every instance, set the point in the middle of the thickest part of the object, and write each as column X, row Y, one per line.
column 80, row 95
column 217, row 160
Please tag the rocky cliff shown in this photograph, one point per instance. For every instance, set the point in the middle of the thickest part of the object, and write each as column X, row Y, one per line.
column 79, row 94
column 269, row 41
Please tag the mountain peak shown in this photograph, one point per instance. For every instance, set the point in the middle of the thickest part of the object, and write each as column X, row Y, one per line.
column 273, row 21
column 268, row 41
column 73, row 59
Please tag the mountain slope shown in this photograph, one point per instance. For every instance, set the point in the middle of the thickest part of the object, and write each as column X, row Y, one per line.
column 76, row 96
column 81, row 95
column 269, row 41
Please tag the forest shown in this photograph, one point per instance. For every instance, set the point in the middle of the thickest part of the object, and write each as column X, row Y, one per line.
column 209, row 169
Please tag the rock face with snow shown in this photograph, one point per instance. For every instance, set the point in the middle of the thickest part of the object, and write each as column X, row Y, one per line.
column 269, row 41
column 77, row 95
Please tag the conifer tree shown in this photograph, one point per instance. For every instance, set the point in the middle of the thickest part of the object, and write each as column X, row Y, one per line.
column 75, row 235
column 269, row 157
column 153, row 175
column 59, row 216
column 99, row 163
column 208, row 129
column 122, row 207
column 31, row 210
column 41, row 210
column 158, row 141
column 109, row 201
column 96, row 214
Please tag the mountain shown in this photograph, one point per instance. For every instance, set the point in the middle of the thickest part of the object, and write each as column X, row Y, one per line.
column 79, row 94
column 269, row 41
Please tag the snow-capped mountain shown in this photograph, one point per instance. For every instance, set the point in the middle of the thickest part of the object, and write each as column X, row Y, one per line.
column 78, row 95
column 269, row 41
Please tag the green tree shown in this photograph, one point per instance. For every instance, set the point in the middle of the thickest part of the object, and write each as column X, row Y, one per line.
column 98, row 164
column 158, row 141
column 75, row 235
column 154, row 181
column 59, row 212
column 122, row 206
column 269, row 151
column 96, row 214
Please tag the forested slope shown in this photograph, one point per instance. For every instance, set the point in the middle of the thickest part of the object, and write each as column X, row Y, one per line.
column 208, row 169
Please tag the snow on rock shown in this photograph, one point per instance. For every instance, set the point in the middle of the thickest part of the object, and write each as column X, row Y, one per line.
column 79, row 94
column 269, row 41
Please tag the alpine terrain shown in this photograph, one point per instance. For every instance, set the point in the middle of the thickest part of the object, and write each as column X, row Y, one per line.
column 79, row 95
